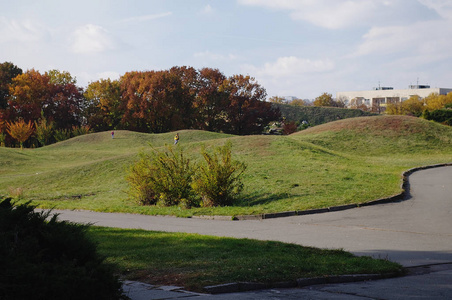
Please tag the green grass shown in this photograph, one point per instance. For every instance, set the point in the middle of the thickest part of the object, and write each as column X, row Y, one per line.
column 342, row 162
column 195, row 261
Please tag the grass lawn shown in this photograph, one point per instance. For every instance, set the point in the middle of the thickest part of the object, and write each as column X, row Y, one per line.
column 195, row 261
column 342, row 162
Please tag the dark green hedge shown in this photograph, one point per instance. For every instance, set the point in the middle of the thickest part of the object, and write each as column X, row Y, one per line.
column 315, row 115
column 52, row 259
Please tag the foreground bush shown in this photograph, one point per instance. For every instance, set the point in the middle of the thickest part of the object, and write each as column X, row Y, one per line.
column 163, row 178
column 167, row 178
column 42, row 259
column 219, row 181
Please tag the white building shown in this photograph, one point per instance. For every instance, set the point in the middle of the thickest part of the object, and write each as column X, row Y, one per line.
column 379, row 97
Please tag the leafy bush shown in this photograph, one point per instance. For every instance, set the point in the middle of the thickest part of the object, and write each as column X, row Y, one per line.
column 218, row 182
column 42, row 259
column 167, row 178
column 440, row 115
column 62, row 135
column 44, row 131
column 80, row 130
column 163, row 177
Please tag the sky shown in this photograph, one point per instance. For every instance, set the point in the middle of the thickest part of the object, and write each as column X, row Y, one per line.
column 300, row 48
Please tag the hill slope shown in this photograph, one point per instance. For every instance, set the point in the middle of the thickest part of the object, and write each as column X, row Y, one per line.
column 381, row 135
column 347, row 161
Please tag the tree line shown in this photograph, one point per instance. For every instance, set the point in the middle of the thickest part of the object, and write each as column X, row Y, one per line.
column 51, row 105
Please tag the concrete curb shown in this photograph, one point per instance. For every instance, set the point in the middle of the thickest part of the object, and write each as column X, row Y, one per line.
column 404, row 186
column 237, row 287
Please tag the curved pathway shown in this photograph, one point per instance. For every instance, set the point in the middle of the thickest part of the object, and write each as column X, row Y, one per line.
column 416, row 231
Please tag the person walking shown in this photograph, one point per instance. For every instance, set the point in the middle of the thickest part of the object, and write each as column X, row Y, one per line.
column 176, row 138
column 112, row 134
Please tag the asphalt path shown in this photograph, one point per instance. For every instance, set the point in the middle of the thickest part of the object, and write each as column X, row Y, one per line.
column 416, row 231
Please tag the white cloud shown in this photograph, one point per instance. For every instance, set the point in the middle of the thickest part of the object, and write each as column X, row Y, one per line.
column 146, row 17
column 292, row 76
column 91, row 39
column 340, row 14
column 331, row 14
column 291, row 66
column 442, row 7
column 21, row 31
column 425, row 41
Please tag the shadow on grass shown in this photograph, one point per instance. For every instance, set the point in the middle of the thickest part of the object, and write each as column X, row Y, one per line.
column 254, row 199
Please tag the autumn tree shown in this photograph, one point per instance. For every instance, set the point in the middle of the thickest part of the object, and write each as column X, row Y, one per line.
column 20, row 130
column 435, row 101
column 277, row 99
column 298, row 102
column 210, row 101
column 8, row 71
column 102, row 106
column 324, row 100
column 154, row 102
column 29, row 92
column 65, row 105
column 246, row 112
column 55, row 97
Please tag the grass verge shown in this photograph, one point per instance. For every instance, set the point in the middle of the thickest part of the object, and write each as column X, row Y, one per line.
column 195, row 261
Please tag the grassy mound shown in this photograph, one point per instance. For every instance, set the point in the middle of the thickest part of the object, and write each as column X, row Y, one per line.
column 347, row 161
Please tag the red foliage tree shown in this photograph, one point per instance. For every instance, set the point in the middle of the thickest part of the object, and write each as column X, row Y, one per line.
column 247, row 112
column 210, row 103
column 155, row 102
column 33, row 95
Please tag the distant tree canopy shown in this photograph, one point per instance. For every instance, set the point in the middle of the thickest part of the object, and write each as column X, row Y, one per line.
column 417, row 106
column 8, row 71
column 145, row 101
column 327, row 100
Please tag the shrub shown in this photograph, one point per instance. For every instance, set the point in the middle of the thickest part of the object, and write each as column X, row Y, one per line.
column 163, row 177
column 219, row 181
column 42, row 259
column 440, row 115
column 44, row 131
column 80, row 130
column 62, row 134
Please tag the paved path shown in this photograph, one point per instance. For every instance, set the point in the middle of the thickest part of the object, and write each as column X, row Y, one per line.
column 413, row 232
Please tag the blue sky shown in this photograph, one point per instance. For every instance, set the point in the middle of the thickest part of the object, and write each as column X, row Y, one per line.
column 299, row 48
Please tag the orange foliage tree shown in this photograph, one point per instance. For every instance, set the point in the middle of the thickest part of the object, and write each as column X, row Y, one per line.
column 20, row 130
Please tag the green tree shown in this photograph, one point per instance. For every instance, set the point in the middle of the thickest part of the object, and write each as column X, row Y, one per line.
column 8, row 71
column 102, row 107
column 44, row 131
column 61, row 77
